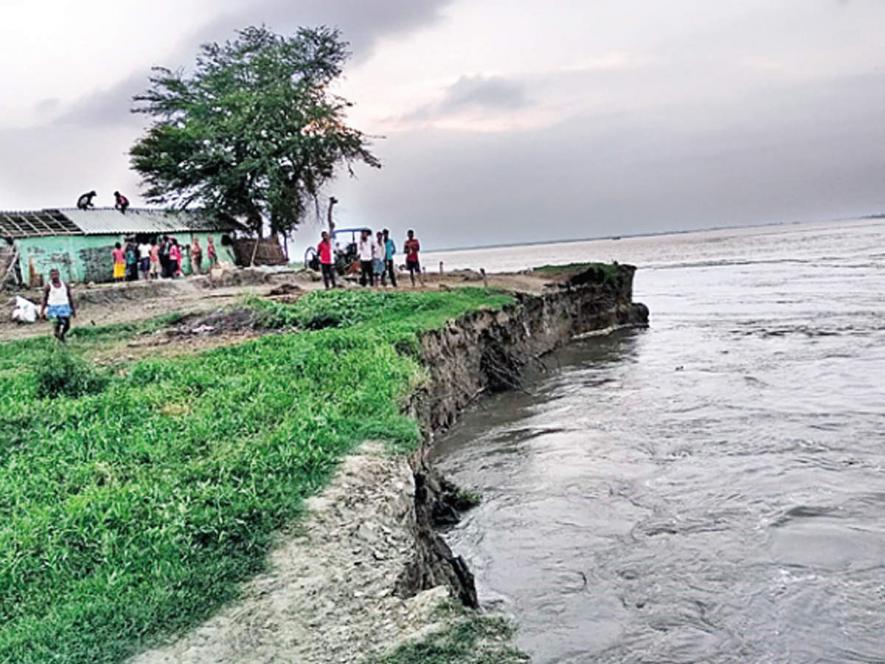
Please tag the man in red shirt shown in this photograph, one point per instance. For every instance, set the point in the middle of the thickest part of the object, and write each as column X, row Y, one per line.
column 412, row 247
column 121, row 203
column 327, row 262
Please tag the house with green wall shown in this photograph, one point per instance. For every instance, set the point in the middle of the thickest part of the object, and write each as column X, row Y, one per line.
column 79, row 242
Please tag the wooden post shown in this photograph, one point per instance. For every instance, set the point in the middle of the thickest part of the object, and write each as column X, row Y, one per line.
column 440, row 267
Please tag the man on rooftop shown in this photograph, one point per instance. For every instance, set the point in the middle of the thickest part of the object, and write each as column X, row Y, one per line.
column 85, row 200
column 121, row 203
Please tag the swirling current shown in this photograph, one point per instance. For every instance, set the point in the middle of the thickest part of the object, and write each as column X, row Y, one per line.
column 711, row 489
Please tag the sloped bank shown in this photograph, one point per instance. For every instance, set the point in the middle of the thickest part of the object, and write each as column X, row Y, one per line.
column 364, row 576
column 484, row 352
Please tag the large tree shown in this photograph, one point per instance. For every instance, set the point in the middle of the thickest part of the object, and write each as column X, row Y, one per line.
column 253, row 131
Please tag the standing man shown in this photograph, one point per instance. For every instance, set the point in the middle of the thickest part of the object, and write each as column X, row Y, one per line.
column 412, row 247
column 121, row 203
column 155, row 260
column 389, row 253
column 144, row 259
column 196, row 256
column 163, row 254
column 131, row 261
column 366, row 251
column 58, row 304
column 327, row 263
column 378, row 264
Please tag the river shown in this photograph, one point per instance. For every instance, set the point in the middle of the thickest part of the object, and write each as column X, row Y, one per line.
column 711, row 489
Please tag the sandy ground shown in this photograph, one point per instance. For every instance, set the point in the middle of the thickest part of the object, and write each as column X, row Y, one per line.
column 327, row 597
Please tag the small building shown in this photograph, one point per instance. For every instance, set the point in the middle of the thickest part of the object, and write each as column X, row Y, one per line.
column 79, row 242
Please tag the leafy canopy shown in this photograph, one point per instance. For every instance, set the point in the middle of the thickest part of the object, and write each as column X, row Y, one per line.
column 253, row 131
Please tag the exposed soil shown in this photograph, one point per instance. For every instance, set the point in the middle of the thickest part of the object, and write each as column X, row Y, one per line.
column 328, row 595
column 131, row 302
column 365, row 569
column 338, row 590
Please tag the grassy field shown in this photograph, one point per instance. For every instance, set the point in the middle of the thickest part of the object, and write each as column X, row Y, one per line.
column 134, row 509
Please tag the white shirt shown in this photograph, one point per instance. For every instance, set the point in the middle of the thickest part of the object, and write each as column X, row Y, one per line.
column 57, row 295
column 378, row 251
column 367, row 249
column 144, row 251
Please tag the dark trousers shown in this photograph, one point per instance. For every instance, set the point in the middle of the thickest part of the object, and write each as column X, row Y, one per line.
column 390, row 271
column 164, row 266
column 328, row 275
column 367, row 273
column 62, row 325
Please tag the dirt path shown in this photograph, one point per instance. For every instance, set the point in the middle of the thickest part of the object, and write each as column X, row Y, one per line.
column 108, row 304
column 327, row 595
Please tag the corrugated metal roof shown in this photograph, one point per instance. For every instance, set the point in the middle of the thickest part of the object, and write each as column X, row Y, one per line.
column 107, row 221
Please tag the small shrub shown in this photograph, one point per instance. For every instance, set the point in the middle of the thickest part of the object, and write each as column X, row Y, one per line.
column 62, row 373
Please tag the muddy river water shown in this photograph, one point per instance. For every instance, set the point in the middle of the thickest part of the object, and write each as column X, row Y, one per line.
column 711, row 489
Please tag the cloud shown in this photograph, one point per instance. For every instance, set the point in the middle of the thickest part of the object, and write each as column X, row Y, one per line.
column 778, row 156
column 481, row 92
column 47, row 105
column 107, row 107
column 477, row 102
column 362, row 23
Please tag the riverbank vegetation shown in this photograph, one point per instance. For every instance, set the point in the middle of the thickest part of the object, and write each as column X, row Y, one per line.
column 132, row 509
column 469, row 638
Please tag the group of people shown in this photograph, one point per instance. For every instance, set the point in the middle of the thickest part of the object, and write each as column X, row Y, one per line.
column 159, row 258
column 121, row 203
column 376, row 258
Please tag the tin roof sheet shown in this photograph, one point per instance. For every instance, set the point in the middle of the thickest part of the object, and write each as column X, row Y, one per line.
column 108, row 221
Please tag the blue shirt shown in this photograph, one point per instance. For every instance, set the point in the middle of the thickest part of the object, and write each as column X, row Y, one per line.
column 389, row 249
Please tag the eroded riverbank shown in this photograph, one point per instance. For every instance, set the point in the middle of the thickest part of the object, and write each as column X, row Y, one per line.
column 232, row 439
column 387, row 574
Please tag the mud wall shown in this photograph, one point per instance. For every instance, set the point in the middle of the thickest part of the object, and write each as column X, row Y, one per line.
column 481, row 353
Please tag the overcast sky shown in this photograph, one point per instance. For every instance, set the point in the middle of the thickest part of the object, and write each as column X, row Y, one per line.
column 503, row 120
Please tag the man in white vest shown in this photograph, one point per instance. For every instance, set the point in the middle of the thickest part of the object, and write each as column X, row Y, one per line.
column 58, row 304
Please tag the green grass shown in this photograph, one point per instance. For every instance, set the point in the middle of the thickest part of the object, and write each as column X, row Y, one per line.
column 470, row 638
column 16, row 355
column 134, row 512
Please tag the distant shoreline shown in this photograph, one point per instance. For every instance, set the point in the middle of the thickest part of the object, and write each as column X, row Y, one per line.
column 533, row 243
